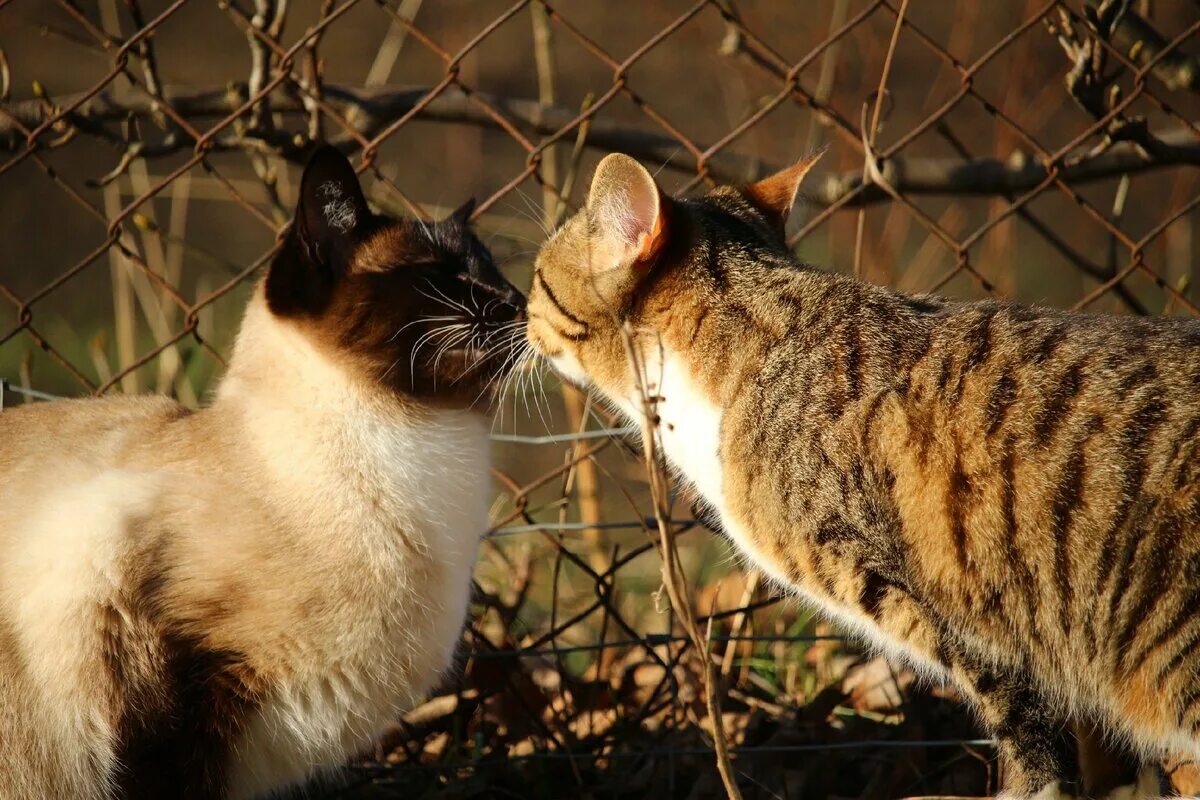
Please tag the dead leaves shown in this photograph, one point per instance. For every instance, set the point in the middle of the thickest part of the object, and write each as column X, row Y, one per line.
column 515, row 722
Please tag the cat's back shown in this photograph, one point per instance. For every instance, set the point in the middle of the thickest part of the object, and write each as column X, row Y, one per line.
column 91, row 431
column 46, row 446
column 1100, row 402
column 68, row 492
column 1048, row 378
column 1035, row 334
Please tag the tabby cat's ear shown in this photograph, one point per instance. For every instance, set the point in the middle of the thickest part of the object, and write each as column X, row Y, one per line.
column 775, row 195
column 330, row 217
column 627, row 214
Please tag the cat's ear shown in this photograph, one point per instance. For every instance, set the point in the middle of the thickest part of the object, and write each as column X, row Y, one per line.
column 330, row 216
column 627, row 213
column 775, row 195
column 331, row 208
column 462, row 214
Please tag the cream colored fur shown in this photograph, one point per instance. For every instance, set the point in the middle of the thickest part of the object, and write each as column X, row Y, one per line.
column 335, row 524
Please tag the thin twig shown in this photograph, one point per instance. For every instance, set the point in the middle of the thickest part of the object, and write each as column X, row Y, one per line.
column 674, row 580
column 372, row 111
column 870, row 133
column 393, row 42
column 543, row 56
column 1133, row 35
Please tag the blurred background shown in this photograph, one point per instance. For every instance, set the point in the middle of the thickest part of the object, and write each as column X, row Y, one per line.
column 1044, row 152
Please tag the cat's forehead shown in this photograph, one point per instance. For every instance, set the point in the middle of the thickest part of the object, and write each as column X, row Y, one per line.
column 726, row 215
column 398, row 242
column 732, row 201
column 723, row 215
column 568, row 245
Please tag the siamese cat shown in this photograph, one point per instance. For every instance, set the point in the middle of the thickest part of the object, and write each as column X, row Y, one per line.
column 220, row 603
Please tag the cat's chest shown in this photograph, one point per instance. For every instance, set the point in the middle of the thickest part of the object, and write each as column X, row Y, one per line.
column 690, row 426
column 434, row 476
column 402, row 518
column 419, row 507
column 691, row 430
column 371, row 476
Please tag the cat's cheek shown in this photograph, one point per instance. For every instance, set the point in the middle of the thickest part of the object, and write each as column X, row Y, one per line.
column 567, row 366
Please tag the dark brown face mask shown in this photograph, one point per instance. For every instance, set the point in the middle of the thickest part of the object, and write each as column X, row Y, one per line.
column 418, row 307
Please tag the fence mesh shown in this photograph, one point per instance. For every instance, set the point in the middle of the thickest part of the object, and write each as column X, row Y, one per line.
column 1039, row 151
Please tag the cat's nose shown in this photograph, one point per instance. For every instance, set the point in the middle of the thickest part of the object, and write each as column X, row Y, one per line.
column 516, row 299
column 507, row 292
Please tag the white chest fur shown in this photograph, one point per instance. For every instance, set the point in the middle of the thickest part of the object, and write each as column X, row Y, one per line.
column 385, row 506
column 690, row 433
column 409, row 508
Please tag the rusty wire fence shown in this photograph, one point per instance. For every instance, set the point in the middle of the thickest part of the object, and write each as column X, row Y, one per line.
column 1040, row 151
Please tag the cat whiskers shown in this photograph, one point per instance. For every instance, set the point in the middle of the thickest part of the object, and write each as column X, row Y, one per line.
column 508, row 335
column 479, row 342
column 531, row 212
column 424, row 339
column 510, row 371
column 446, row 301
column 468, row 335
column 485, row 345
column 424, row 318
column 529, row 369
column 537, row 382
column 424, row 226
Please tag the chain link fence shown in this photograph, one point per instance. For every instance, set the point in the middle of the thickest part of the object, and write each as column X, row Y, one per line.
column 1039, row 151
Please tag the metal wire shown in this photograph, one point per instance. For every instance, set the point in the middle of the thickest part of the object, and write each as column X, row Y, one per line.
column 1066, row 136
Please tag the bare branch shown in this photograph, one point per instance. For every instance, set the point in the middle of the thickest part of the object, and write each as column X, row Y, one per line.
column 674, row 580
column 389, row 49
column 371, row 111
column 1137, row 38
column 266, row 15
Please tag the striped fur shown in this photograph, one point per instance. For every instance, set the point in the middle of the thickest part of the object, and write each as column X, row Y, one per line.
column 1006, row 496
column 221, row 603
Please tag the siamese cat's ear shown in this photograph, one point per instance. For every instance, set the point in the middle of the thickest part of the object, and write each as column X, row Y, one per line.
column 775, row 195
column 462, row 214
column 330, row 218
column 627, row 213
column 331, row 209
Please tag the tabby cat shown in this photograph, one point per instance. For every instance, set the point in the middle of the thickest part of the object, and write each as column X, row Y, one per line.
column 218, row 603
column 1006, row 496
